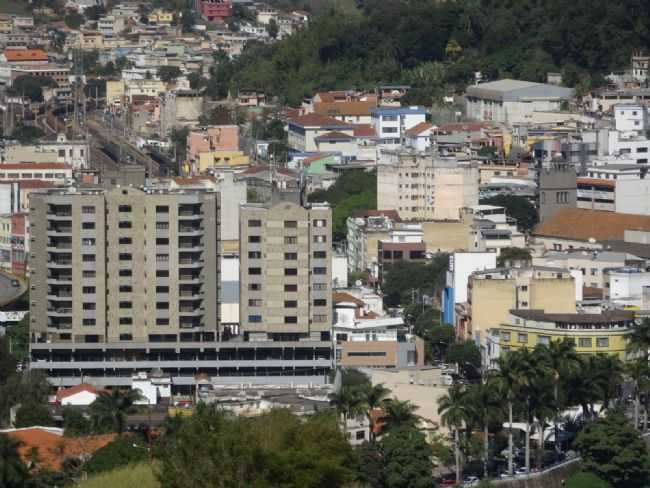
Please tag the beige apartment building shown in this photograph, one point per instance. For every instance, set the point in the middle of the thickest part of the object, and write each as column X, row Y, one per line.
column 425, row 186
column 492, row 294
column 285, row 272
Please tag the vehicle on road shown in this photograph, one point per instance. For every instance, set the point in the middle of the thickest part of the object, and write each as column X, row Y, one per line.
column 15, row 283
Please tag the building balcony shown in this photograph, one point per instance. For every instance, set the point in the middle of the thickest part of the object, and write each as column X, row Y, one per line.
column 59, row 280
column 60, row 247
column 59, row 231
column 190, row 312
column 60, row 263
column 59, row 312
column 59, row 326
column 59, row 216
column 190, row 231
column 189, row 215
column 189, row 278
column 190, row 263
column 62, row 295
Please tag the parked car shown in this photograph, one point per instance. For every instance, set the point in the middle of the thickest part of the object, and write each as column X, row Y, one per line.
column 15, row 283
column 470, row 481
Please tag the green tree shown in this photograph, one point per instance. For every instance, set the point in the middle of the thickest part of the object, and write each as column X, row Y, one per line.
column 465, row 354
column 27, row 134
column 74, row 20
column 586, row 480
column 178, row 138
column 405, row 282
column 122, row 451
column 453, row 408
column 517, row 207
column 485, row 407
column 272, row 28
column 13, row 473
column 196, row 81
column 512, row 255
column 400, row 414
column 350, row 403
column 188, row 20
column 30, row 414
column 614, row 451
column 18, row 337
column 168, row 74
column 111, row 408
column 75, row 422
column 8, row 361
column 640, row 339
column 407, row 459
column 31, row 86
column 374, row 397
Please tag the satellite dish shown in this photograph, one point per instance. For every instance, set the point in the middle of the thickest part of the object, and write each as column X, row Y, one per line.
column 358, row 283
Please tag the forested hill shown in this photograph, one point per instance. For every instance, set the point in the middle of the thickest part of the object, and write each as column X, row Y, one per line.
column 433, row 45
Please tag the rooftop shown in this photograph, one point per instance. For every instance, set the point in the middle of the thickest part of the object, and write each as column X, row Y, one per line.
column 508, row 90
column 606, row 316
column 21, row 55
column 316, row 120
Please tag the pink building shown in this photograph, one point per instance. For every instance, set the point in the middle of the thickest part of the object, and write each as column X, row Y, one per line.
column 209, row 139
column 214, row 10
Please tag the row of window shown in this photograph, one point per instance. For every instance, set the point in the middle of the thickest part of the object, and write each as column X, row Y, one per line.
column 319, row 302
column 289, row 319
column 289, row 256
column 123, row 209
column 586, row 342
column 126, row 321
column 289, row 271
column 288, row 239
column 287, row 288
column 289, row 224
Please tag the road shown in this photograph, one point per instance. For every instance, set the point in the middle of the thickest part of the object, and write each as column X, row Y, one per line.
column 9, row 293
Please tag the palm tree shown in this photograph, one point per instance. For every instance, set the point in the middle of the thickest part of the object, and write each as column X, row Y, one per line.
column 400, row 414
column 484, row 406
column 349, row 403
column 112, row 408
column 639, row 373
column 13, row 472
column 541, row 407
column 559, row 358
column 640, row 338
column 610, row 376
column 454, row 411
column 375, row 396
column 584, row 386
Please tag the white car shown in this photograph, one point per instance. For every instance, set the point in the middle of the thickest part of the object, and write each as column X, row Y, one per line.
column 471, row 481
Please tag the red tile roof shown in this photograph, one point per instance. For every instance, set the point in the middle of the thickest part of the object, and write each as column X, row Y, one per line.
column 582, row 224
column 364, row 130
column 351, row 108
column 315, row 120
column 334, row 135
column 417, row 129
column 464, row 127
column 260, row 168
column 33, row 166
column 22, row 55
column 73, row 390
column 596, row 182
column 339, row 297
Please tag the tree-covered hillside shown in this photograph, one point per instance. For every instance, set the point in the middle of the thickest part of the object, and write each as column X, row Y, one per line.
column 436, row 46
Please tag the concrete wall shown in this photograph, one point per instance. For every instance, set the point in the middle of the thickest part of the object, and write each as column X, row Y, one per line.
column 632, row 196
column 446, row 236
column 557, row 189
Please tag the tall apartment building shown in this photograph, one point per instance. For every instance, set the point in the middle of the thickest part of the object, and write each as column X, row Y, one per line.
column 285, row 273
column 425, row 186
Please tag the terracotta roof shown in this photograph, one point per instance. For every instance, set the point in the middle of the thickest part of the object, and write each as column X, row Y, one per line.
column 581, row 224
column 592, row 292
column 21, row 55
column 416, row 130
column 596, row 182
column 260, row 168
column 352, row 108
column 464, row 127
column 53, row 449
column 73, row 390
column 364, row 130
column 339, row 297
column 32, row 184
column 333, row 136
column 307, row 161
column 391, row 214
column 315, row 120
column 33, row 166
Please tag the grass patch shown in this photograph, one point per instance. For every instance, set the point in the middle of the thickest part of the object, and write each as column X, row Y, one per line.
column 134, row 476
column 14, row 7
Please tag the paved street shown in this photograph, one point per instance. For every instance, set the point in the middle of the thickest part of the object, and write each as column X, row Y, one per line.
column 7, row 291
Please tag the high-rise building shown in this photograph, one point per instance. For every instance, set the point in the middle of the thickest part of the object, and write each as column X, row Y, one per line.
column 285, row 272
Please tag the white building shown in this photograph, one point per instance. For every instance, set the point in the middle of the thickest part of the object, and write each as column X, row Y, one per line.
column 631, row 117
column 229, row 300
column 80, row 395
column 392, row 123
column 152, row 387
column 513, row 101
column 615, row 188
column 629, row 145
column 626, row 286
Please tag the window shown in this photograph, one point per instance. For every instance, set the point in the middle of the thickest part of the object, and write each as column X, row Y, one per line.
column 522, row 338
column 126, row 321
column 290, row 288
column 162, row 305
column 593, row 271
column 254, row 255
column 505, row 336
column 642, row 149
column 320, row 302
column 162, row 258
column 290, row 271
column 255, row 287
column 126, row 288
column 367, row 354
column 126, row 305
column 320, row 254
column 162, row 241
column 162, row 289
column 162, row 225
column 543, row 340
column 254, row 223
column 320, row 271
column 124, row 208
column 88, row 225
column 88, row 242
column 254, row 239
column 88, row 258
column 320, row 239
column 291, row 319
column 125, row 240
column 254, row 271
column 290, row 224
column 320, row 223
column 320, row 318
column 585, row 342
column 162, row 321
column 126, row 337
column 162, row 273
column 523, row 288
column 124, row 224
column 290, row 256
column 360, row 435
column 87, row 210
column 88, row 322
column 389, row 130
column 255, row 302
column 320, row 286
column 88, row 306
column 290, row 304
column 290, row 240
column 88, row 273
column 255, row 319
column 602, row 342
column 125, row 256
column 162, row 209
column 88, row 289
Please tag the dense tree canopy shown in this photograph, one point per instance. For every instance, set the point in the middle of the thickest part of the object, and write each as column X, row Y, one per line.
column 389, row 41
column 407, row 282
column 517, row 207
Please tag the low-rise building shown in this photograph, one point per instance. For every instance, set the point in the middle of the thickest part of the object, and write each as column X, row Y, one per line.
column 615, row 188
column 303, row 131
column 624, row 286
column 391, row 123
column 604, row 333
column 364, row 231
column 214, row 10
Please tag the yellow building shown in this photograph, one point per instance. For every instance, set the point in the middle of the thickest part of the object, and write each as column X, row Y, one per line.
column 114, row 91
column 6, row 24
column 91, row 40
column 230, row 159
column 604, row 333
column 161, row 17
column 492, row 294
